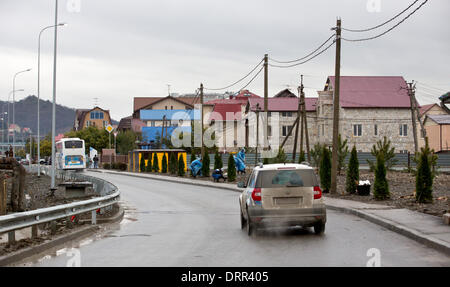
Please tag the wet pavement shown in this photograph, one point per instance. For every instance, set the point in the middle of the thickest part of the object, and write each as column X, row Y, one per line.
column 171, row 224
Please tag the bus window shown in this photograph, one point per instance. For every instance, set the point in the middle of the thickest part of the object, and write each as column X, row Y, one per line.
column 73, row 144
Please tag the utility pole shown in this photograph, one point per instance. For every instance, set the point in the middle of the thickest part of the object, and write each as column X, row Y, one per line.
column 337, row 75
column 201, row 116
column 299, row 114
column 304, row 121
column 424, row 132
column 266, row 99
column 53, row 169
column 413, row 117
column 258, row 109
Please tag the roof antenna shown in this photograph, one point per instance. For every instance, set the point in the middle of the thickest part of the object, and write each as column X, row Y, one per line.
column 95, row 102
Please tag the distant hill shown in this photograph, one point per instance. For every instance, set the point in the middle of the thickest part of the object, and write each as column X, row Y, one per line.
column 26, row 115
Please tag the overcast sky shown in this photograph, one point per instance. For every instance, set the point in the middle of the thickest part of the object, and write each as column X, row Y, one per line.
column 116, row 50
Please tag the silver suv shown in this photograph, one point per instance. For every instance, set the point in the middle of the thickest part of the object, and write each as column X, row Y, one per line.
column 282, row 195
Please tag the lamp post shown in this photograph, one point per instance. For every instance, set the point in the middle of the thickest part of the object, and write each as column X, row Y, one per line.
column 52, row 184
column 14, row 99
column 38, row 96
column 8, row 113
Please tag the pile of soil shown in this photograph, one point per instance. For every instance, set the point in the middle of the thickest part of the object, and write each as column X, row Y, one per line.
column 402, row 187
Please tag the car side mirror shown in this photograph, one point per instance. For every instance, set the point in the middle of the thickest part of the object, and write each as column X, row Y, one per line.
column 241, row 184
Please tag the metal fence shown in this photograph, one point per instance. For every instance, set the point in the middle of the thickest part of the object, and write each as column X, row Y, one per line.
column 402, row 159
column 108, row 194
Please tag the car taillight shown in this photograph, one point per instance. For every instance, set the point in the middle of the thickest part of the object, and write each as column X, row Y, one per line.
column 256, row 194
column 317, row 192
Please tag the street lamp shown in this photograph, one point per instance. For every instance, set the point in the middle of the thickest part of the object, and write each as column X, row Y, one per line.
column 14, row 99
column 9, row 95
column 52, row 183
column 38, row 95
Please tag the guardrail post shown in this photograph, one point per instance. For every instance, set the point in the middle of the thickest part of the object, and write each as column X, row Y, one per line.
column 53, row 227
column 3, row 196
column 11, row 237
column 69, row 223
column 34, row 231
column 94, row 217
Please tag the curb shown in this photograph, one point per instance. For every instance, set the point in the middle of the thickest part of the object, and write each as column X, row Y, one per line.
column 400, row 229
column 22, row 254
column 388, row 224
column 172, row 179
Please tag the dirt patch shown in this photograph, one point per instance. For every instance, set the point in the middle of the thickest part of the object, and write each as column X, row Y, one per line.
column 402, row 187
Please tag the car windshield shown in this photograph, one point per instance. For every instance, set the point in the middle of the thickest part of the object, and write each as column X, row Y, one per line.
column 73, row 144
column 282, row 178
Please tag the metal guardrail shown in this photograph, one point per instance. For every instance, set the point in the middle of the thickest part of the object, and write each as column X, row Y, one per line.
column 109, row 194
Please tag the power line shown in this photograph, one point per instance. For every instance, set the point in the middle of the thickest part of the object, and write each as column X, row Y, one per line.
column 238, row 81
column 303, row 62
column 387, row 31
column 382, row 24
column 426, row 85
column 292, row 61
column 254, row 77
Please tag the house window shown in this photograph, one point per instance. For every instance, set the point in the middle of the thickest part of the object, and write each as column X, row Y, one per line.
column 403, row 130
column 171, row 107
column 166, row 107
column 375, row 130
column 286, row 130
column 357, row 130
column 96, row 115
column 88, row 123
column 286, row 114
column 105, row 123
column 152, row 123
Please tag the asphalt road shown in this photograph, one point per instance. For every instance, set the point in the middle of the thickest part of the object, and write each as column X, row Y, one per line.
column 169, row 224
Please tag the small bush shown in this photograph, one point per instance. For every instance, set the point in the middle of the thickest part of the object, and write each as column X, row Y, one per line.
column 142, row 164
column 172, row 163
column 231, row 168
column 122, row 166
column 424, row 175
column 164, row 164
column 380, row 186
column 352, row 172
column 155, row 165
column 205, row 163
column 106, row 166
column 301, row 158
column 218, row 160
column 181, row 166
column 383, row 147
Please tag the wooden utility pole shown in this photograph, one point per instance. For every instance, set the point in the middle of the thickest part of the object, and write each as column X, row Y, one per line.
column 337, row 75
column 299, row 114
column 305, row 122
column 266, row 99
column 413, row 116
column 258, row 109
column 201, row 116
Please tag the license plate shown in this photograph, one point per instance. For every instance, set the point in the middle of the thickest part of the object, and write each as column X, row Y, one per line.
column 288, row 200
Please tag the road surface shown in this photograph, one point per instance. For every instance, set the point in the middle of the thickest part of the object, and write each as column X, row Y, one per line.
column 170, row 224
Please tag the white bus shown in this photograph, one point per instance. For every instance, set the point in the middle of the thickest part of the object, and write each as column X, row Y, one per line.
column 70, row 154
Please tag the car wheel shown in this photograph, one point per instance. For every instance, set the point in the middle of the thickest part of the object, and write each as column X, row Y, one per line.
column 243, row 221
column 319, row 228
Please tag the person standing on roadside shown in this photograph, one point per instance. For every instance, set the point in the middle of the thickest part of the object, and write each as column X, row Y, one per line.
column 95, row 159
